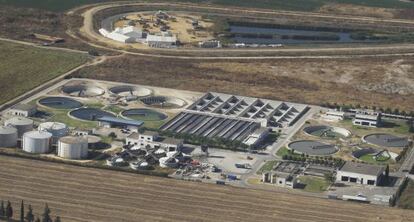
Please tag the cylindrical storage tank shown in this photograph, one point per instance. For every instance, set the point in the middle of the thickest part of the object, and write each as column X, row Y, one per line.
column 8, row 136
column 57, row 130
column 36, row 141
column 71, row 147
column 22, row 125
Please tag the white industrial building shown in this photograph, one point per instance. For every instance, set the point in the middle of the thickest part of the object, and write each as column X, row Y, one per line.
column 36, row 142
column 334, row 115
column 284, row 174
column 8, row 136
column 360, row 173
column 127, row 34
column 153, row 140
column 370, row 120
column 257, row 137
column 22, row 125
column 161, row 41
column 24, row 110
column 71, row 147
column 280, row 179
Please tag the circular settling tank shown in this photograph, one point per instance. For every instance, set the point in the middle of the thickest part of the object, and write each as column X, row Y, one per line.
column 60, row 103
column 311, row 147
column 125, row 90
column 327, row 131
column 83, row 90
column 386, row 140
column 90, row 114
column 144, row 114
column 163, row 102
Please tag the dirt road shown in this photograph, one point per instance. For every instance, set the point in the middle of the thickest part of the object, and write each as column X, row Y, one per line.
column 85, row 194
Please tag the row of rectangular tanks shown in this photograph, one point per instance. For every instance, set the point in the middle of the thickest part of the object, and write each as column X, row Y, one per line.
column 40, row 141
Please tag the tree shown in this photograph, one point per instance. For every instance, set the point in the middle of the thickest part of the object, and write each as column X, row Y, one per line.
column 330, row 177
column 29, row 215
column 2, row 210
column 387, row 172
column 93, row 52
column 112, row 135
column 9, row 210
column 57, row 219
column 46, row 214
column 22, row 212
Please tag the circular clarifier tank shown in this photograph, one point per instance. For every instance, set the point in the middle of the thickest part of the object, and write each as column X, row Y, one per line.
column 83, row 90
column 312, row 147
column 386, row 140
column 60, row 103
column 327, row 131
column 126, row 90
column 144, row 114
column 90, row 114
column 163, row 102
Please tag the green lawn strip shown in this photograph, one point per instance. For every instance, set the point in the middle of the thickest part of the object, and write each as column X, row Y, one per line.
column 267, row 166
column 314, row 184
column 285, row 151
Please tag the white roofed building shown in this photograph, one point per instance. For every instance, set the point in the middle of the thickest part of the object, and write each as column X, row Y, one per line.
column 161, row 41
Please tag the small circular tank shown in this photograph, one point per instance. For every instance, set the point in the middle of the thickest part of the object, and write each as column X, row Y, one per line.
column 22, row 125
column 57, row 130
column 71, row 147
column 36, row 141
column 8, row 136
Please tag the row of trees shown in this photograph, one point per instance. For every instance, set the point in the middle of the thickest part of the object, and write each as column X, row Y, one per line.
column 6, row 212
column 332, row 162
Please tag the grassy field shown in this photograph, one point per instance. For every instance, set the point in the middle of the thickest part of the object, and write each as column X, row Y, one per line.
column 300, row 5
column 267, row 166
column 314, row 184
column 24, row 67
column 87, row 194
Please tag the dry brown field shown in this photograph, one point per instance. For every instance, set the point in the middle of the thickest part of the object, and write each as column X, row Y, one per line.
column 87, row 194
column 380, row 82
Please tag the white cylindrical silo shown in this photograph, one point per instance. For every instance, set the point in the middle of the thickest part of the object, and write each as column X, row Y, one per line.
column 71, row 147
column 8, row 136
column 36, row 141
column 57, row 130
column 22, row 125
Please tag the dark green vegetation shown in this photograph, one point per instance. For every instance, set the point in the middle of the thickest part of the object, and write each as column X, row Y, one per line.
column 23, row 68
column 406, row 199
column 300, row 5
column 8, row 213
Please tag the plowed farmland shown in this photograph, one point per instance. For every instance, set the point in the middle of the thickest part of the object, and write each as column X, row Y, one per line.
column 85, row 194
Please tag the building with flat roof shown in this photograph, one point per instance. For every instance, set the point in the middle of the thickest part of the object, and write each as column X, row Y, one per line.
column 25, row 110
column 111, row 122
column 153, row 140
column 161, row 41
column 334, row 115
column 235, row 118
column 360, row 173
column 284, row 174
column 370, row 120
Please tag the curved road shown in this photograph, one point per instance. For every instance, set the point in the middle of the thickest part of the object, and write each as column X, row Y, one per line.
column 338, row 52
